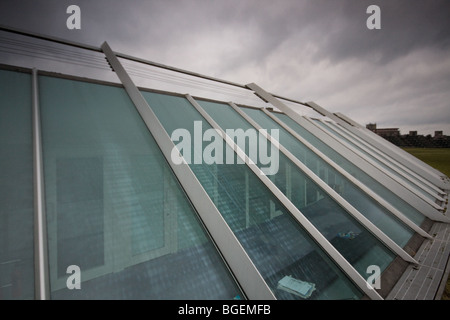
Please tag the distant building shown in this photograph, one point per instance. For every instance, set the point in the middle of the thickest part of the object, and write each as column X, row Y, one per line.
column 388, row 132
column 412, row 139
column 372, row 127
column 384, row 132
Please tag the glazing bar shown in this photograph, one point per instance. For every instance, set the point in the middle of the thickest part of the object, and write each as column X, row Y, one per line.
column 420, row 181
column 400, row 180
column 384, row 179
column 380, row 235
column 352, row 179
column 396, row 153
column 242, row 267
column 42, row 282
column 304, row 222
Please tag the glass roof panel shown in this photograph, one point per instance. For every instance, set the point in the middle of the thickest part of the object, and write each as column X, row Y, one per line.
column 373, row 211
column 324, row 213
column 404, row 176
column 276, row 243
column 16, row 187
column 409, row 211
column 115, row 209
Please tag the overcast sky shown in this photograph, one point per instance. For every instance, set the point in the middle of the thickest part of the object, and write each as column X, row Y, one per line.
column 310, row 50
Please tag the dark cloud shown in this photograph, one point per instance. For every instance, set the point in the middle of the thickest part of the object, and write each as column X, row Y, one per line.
column 306, row 49
column 405, row 26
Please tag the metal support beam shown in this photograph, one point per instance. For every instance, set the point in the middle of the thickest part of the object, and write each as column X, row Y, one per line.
column 41, row 269
column 383, row 178
column 416, row 165
column 239, row 262
column 335, row 255
column 391, row 162
column 366, row 223
column 351, row 178
column 400, row 179
column 130, row 58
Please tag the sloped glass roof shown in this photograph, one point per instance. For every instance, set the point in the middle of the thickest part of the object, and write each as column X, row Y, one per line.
column 272, row 238
column 151, row 194
column 353, row 169
column 115, row 209
column 376, row 213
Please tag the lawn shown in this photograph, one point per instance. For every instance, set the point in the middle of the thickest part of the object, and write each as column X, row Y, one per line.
column 438, row 158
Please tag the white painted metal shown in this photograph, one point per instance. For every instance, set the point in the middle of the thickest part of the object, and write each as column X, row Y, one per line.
column 381, row 177
column 350, row 135
column 432, row 191
column 304, row 222
column 239, row 262
column 352, row 179
column 380, row 235
column 373, row 164
column 42, row 281
column 394, row 152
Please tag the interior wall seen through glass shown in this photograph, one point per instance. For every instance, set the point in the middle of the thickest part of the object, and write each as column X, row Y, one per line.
column 16, row 187
column 278, row 246
column 114, row 207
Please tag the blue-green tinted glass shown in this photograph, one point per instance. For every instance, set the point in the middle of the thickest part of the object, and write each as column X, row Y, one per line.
column 357, row 140
column 16, row 187
column 403, row 176
column 378, row 188
column 373, row 211
column 274, row 241
column 326, row 214
column 114, row 208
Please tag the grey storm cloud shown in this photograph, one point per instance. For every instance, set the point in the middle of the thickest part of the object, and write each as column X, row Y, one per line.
column 337, row 26
column 317, row 50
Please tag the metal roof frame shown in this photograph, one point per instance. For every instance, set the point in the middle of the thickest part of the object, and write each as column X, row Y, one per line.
column 237, row 259
column 425, row 208
column 241, row 265
column 335, row 255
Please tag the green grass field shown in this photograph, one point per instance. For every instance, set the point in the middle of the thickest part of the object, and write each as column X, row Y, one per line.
column 438, row 158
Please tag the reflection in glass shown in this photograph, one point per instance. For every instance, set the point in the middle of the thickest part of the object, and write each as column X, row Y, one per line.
column 324, row 213
column 373, row 211
column 114, row 206
column 16, row 187
column 400, row 175
column 381, row 190
column 275, row 242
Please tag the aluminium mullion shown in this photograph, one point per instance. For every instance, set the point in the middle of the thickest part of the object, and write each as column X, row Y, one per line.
column 404, row 175
column 237, row 259
column 402, row 155
column 351, row 178
column 390, row 149
column 324, row 112
column 42, row 280
column 394, row 187
column 350, row 135
column 393, row 151
column 373, row 163
column 366, row 223
column 425, row 208
column 335, row 255
column 346, row 132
